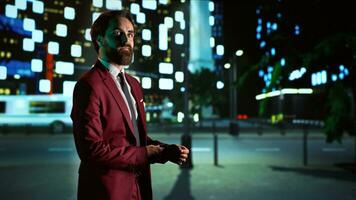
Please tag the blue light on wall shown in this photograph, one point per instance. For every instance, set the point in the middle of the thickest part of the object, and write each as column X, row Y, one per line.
column 258, row 36
column 296, row 30
column 18, row 67
column 13, row 25
column 274, row 26
column 260, row 73
column 262, row 44
column 283, row 62
column 273, row 51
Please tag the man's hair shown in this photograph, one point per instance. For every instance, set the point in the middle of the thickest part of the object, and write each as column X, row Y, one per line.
column 102, row 22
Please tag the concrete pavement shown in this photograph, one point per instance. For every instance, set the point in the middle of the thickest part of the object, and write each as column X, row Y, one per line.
column 251, row 167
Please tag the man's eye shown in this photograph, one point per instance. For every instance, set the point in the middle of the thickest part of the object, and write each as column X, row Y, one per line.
column 117, row 33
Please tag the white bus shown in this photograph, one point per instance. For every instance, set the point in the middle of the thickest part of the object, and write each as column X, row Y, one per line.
column 36, row 110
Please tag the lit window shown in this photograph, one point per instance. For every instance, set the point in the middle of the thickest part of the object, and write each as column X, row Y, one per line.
column 165, row 84
column 87, row 35
column 182, row 25
column 179, row 76
column 168, row 21
column 258, row 36
column 141, row 18
column 179, row 16
column 165, row 68
column 69, row 13
column 164, row 2
column 29, row 24
column 68, row 87
column 163, row 37
column 179, row 38
column 21, row 4
column 219, row 85
column 95, row 16
column 61, row 30
column 283, row 62
column 76, row 50
column 45, row 85
column 212, row 42
column 3, row 73
column 334, row 77
column 11, row 11
column 324, row 76
column 149, row 4
column 98, row 3
column 37, row 36
column 146, row 34
column 211, row 6
column 274, row 26
column 53, row 47
column 113, row 4
column 38, row 7
column 64, row 68
column 211, row 20
column 28, row 44
column 262, row 44
column 135, row 8
column 17, row 76
column 146, row 50
column 36, row 65
column 220, row 50
column 146, row 83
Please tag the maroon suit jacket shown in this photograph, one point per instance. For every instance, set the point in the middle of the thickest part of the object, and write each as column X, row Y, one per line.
column 112, row 166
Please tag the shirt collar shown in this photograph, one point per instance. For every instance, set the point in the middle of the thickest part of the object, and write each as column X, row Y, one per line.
column 112, row 68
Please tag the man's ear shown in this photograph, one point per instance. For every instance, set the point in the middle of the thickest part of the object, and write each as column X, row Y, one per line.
column 99, row 40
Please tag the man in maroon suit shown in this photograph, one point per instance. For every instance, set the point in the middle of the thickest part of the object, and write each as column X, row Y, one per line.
column 109, row 123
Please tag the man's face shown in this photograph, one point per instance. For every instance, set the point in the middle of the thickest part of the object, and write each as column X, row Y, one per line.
column 118, row 41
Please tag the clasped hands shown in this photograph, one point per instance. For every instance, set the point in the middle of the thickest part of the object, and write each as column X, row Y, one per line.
column 173, row 152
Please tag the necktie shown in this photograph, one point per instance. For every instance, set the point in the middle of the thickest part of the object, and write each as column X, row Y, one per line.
column 131, row 106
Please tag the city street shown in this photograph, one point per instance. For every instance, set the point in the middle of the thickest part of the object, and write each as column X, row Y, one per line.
column 250, row 167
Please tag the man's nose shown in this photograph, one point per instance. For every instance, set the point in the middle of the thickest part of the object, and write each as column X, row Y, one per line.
column 123, row 39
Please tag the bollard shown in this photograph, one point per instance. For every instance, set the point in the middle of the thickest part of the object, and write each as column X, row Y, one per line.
column 305, row 145
column 259, row 129
column 282, row 128
column 215, row 145
column 186, row 141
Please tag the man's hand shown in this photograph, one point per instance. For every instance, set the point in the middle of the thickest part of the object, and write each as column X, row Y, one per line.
column 154, row 153
column 175, row 153
column 184, row 151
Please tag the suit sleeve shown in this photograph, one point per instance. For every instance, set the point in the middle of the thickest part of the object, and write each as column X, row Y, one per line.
column 88, row 135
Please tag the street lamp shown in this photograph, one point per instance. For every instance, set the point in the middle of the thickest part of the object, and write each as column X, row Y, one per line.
column 233, row 125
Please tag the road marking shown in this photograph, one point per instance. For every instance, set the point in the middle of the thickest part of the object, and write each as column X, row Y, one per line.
column 201, row 149
column 60, row 149
column 334, row 149
column 268, row 149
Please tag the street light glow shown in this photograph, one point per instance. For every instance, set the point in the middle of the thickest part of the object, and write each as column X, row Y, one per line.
column 227, row 65
column 239, row 52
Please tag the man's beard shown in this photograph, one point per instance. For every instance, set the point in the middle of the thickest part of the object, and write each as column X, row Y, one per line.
column 120, row 56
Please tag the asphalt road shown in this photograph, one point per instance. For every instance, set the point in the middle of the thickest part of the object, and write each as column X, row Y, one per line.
column 250, row 167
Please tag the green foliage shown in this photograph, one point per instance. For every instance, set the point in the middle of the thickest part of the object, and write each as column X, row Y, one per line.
column 337, row 106
column 203, row 91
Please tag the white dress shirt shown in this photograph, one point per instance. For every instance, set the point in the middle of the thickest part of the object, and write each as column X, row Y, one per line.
column 114, row 71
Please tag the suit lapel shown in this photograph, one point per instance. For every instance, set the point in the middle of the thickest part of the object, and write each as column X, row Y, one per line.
column 110, row 84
